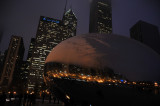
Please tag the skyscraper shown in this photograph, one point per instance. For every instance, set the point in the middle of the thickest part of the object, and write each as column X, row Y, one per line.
column 70, row 22
column 31, row 47
column 1, row 33
column 24, row 74
column 146, row 33
column 100, row 17
column 11, row 70
column 50, row 33
column 1, row 63
column 2, row 60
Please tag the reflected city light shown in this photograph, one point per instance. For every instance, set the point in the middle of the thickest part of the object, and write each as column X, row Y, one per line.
column 14, row 92
column 80, row 77
column 156, row 84
column 95, row 78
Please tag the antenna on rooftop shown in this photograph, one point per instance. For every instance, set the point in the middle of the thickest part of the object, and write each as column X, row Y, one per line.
column 64, row 9
column 71, row 6
column 65, row 6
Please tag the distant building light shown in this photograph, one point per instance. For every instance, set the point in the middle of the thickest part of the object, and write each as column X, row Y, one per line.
column 44, row 18
column 55, row 21
column 121, row 80
column 156, row 84
column 134, row 83
column 67, row 97
column 49, row 20
column 14, row 92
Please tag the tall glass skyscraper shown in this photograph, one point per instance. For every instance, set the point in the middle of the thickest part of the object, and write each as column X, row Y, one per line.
column 100, row 17
column 2, row 58
column 70, row 21
column 147, row 34
column 24, row 74
column 12, row 65
column 50, row 33
column 31, row 47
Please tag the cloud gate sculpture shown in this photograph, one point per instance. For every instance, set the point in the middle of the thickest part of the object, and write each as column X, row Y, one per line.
column 100, row 69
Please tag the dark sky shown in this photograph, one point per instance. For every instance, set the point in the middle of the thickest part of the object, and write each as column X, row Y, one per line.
column 21, row 17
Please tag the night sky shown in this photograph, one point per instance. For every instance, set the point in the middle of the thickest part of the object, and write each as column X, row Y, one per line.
column 21, row 17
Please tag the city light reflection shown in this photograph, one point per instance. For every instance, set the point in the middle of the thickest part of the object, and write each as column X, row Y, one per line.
column 96, row 78
column 87, row 78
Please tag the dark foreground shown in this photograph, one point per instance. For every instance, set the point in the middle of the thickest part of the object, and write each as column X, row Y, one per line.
column 73, row 92
column 37, row 103
column 149, row 101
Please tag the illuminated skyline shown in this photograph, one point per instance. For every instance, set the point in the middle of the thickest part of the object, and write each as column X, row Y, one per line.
column 50, row 33
column 22, row 17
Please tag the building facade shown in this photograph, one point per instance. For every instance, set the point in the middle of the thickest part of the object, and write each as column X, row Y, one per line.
column 24, row 75
column 100, row 17
column 1, row 63
column 147, row 34
column 70, row 23
column 2, row 60
column 50, row 33
column 31, row 47
column 12, row 64
column 1, row 34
